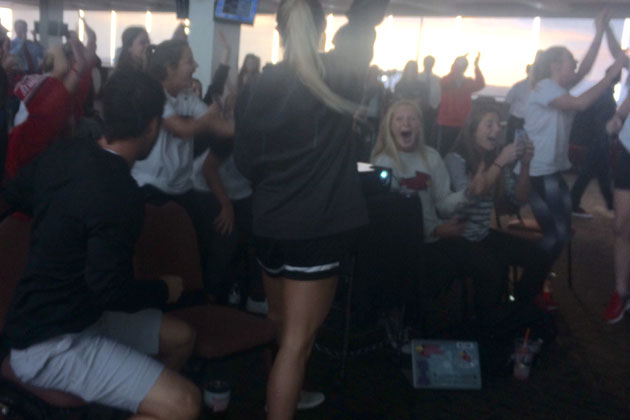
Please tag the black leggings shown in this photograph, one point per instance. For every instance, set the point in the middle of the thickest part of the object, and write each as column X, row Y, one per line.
column 487, row 263
column 215, row 250
column 595, row 165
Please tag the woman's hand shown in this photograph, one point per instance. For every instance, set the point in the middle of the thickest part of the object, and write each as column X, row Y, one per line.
column 450, row 229
column 528, row 152
column 224, row 222
column 508, row 155
column 613, row 126
column 477, row 59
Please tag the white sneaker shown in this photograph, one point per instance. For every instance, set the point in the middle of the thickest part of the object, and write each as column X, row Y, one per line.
column 310, row 400
column 604, row 212
column 260, row 307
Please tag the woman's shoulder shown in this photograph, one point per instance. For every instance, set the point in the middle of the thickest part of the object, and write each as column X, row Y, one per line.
column 454, row 158
column 546, row 86
column 431, row 154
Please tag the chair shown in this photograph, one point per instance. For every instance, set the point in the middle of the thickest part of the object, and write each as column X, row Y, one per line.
column 14, row 240
column 168, row 245
column 528, row 229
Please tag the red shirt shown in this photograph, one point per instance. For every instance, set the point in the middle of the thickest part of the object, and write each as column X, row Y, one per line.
column 49, row 110
column 456, row 102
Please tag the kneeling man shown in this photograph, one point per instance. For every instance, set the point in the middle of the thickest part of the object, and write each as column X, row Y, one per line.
column 79, row 322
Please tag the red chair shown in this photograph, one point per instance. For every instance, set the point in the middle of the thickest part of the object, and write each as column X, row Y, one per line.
column 14, row 239
column 168, row 245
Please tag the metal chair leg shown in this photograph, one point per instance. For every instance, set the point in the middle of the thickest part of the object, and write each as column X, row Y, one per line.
column 569, row 265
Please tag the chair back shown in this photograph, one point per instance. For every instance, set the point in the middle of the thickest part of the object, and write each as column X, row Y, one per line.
column 14, row 240
column 390, row 258
column 168, row 245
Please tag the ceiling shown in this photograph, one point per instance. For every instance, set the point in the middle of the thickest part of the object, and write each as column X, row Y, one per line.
column 523, row 8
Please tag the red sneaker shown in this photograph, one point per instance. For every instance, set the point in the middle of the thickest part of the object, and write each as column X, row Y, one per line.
column 546, row 302
column 550, row 303
column 616, row 308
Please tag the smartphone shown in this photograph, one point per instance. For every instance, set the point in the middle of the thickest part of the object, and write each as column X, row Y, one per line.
column 520, row 138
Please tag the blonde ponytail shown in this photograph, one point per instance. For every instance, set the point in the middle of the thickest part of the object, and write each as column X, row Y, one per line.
column 301, row 35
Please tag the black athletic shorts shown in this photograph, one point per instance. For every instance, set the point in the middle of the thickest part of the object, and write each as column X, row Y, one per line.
column 305, row 259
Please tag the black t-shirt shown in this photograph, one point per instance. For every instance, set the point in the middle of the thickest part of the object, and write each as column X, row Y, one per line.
column 87, row 215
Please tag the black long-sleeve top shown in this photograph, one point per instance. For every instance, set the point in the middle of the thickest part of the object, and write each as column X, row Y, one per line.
column 87, row 215
column 217, row 85
column 300, row 154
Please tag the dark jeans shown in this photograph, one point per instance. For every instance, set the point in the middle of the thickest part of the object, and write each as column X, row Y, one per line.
column 457, row 258
column 508, row 250
column 244, row 264
column 215, row 250
column 597, row 165
column 550, row 201
column 487, row 263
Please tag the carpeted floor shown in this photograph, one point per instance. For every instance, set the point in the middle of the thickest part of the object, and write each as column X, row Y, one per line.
column 584, row 374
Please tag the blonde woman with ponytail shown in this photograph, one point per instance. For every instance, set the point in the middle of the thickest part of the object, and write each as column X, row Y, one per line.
column 294, row 142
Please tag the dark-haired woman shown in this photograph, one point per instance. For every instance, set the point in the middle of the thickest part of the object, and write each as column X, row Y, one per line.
column 249, row 72
column 479, row 163
column 134, row 50
column 548, row 119
column 167, row 173
column 294, row 131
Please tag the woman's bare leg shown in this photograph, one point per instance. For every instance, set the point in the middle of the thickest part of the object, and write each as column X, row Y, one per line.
column 301, row 308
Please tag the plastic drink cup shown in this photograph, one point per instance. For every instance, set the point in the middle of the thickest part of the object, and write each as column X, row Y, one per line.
column 216, row 395
column 523, row 357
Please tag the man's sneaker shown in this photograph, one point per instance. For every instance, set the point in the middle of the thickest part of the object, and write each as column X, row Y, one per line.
column 310, row 400
column 260, row 307
column 581, row 213
column 616, row 308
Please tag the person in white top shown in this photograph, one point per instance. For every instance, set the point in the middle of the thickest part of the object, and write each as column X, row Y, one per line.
column 620, row 299
column 167, row 173
column 548, row 118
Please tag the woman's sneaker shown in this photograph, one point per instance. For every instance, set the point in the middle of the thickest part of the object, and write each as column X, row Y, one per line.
column 616, row 308
column 260, row 307
column 310, row 400
column 581, row 213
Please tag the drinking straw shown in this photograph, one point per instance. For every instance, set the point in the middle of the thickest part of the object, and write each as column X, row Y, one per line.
column 526, row 339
